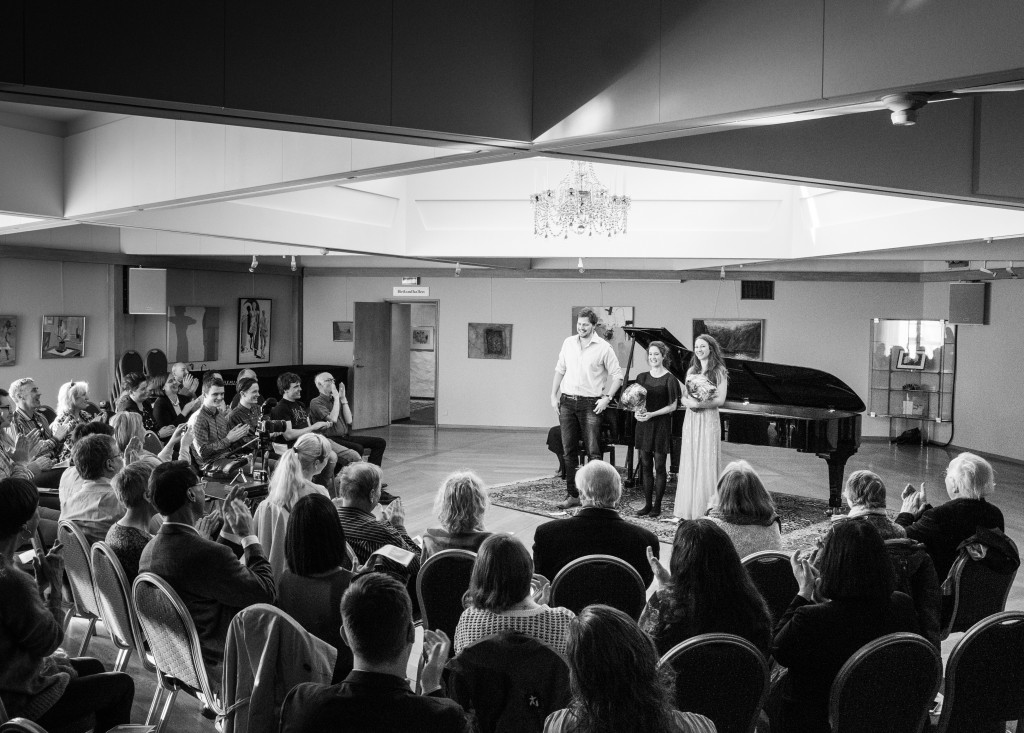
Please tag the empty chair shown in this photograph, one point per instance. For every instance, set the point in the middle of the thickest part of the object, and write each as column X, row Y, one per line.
column 440, row 585
column 978, row 592
column 130, row 361
column 889, row 684
column 599, row 579
column 156, row 363
column 78, row 568
column 721, row 676
column 174, row 642
column 984, row 685
column 772, row 573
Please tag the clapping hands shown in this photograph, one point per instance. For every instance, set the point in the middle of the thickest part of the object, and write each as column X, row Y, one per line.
column 805, row 573
column 913, row 500
column 436, row 647
column 660, row 573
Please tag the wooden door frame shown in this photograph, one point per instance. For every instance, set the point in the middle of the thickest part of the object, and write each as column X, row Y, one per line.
column 437, row 340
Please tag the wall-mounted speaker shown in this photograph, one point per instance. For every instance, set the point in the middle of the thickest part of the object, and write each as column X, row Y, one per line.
column 146, row 291
column 968, row 303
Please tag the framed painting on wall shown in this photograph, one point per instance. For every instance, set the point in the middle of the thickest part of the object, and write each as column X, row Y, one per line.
column 422, row 338
column 342, row 330
column 193, row 332
column 490, row 340
column 8, row 340
column 63, row 337
column 610, row 320
column 740, row 338
column 253, row 343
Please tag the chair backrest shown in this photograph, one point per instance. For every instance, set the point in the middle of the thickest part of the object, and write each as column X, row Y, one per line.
column 48, row 413
column 21, row 725
column 599, row 579
column 888, row 684
column 152, row 443
column 978, row 592
column 129, row 362
column 772, row 574
column 721, row 676
column 440, row 585
column 173, row 640
column 353, row 558
column 984, row 680
column 156, row 363
column 78, row 568
column 114, row 595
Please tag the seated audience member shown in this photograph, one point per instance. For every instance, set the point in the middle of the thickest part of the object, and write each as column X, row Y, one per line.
column 377, row 624
column 131, row 437
column 500, row 599
column 292, row 480
column 36, row 683
column 615, row 681
column 71, row 480
column 359, row 494
column 294, row 414
column 205, row 574
column 27, row 421
column 332, row 405
column 317, row 574
column 16, row 451
column 597, row 528
column 135, row 398
column 169, row 409
column 188, row 386
column 128, row 536
column 244, row 374
column 865, row 494
column 94, row 505
column 814, row 640
column 460, row 506
column 245, row 408
column 72, row 399
column 214, row 438
column 969, row 479
column 745, row 510
column 705, row 591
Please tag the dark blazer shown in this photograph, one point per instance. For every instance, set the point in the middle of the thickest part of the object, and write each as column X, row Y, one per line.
column 368, row 702
column 814, row 640
column 943, row 528
column 210, row 580
column 593, row 531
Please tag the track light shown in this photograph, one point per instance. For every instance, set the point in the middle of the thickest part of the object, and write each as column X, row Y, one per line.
column 293, row 263
column 903, row 108
column 579, row 266
column 254, row 265
column 721, row 273
column 986, row 270
column 324, row 251
column 1010, row 271
column 458, row 269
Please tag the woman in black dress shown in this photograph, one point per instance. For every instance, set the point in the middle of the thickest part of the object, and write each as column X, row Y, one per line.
column 654, row 426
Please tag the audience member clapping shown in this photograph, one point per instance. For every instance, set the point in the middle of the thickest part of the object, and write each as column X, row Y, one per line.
column 317, row 574
column 745, row 510
column 135, row 398
column 814, row 640
column 969, row 479
column 460, row 506
column 615, row 681
column 94, row 506
column 27, row 421
column 292, row 480
column 37, row 680
column 706, row 590
column 72, row 400
column 214, row 437
column 244, row 374
column 130, row 434
column 17, row 452
column 865, row 494
column 500, row 598
column 169, row 409
column 71, row 480
column 188, row 385
column 128, row 536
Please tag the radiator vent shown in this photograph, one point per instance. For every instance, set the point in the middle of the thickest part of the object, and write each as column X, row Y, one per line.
column 757, row 290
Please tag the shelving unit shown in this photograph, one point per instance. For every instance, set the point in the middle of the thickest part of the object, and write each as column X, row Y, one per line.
column 913, row 365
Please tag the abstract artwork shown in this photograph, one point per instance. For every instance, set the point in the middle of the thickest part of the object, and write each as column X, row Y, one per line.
column 422, row 338
column 254, row 330
column 193, row 333
column 740, row 338
column 63, row 337
column 342, row 330
column 490, row 340
column 8, row 340
column 610, row 320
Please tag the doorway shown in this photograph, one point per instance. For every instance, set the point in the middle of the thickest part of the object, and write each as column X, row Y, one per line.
column 422, row 370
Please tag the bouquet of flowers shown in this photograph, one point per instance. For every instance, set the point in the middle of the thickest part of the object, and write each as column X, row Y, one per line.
column 700, row 387
column 634, row 397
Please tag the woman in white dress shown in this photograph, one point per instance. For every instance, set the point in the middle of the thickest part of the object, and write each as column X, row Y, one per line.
column 704, row 392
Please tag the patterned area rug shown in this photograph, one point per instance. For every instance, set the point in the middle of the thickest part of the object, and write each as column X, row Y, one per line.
column 803, row 519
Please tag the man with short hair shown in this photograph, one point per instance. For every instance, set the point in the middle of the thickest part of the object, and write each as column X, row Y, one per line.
column 244, row 374
column 294, row 414
column 587, row 376
column 15, row 458
column 205, row 574
column 214, row 436
column 71, row 481
column 377, row 624
column 188, row 384
column 94, row 505
column 597, row 528
column 247, row 410
column 332, row 405
column 27, row 421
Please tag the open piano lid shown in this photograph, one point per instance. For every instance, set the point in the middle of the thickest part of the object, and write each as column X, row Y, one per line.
column 760, row 386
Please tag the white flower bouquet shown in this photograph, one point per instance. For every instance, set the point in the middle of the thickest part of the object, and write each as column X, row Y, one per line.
column 700, row 387
column 634, row 397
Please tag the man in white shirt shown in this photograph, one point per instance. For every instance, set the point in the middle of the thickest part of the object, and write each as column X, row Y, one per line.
column 587, row 375
column 94, row 506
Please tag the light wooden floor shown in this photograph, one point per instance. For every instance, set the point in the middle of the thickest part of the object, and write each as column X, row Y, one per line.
column 418, row 459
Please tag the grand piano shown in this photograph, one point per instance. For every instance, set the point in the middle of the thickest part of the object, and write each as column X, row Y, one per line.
column 778, row 405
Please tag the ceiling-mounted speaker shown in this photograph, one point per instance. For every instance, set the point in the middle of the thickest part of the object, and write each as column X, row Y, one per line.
column 968, row 303
column 146, row 291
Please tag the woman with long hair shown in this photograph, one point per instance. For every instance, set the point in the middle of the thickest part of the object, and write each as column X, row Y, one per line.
column 705, row 590
column 615, row 682
column 499, row 598
column 654, row 425
column 814, row 640
column 72, row 399
column 745, row 510
column 292, row 480
column 460, row 505
column 704, row 392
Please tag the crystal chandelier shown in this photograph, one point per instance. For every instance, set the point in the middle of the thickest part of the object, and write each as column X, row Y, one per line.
column 582, row 205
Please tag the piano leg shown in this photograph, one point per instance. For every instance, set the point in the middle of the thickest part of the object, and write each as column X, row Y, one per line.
column 836, row 461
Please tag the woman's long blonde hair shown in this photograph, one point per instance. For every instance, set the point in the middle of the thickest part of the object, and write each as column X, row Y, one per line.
column 289, row 476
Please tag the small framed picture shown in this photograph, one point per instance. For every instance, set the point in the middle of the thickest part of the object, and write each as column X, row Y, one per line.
column 342, row 330
column 422, row 338
column 912, row 362
column 8, row 340
column 63, row 337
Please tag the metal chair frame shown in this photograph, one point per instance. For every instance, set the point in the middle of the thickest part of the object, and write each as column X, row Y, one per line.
column 573, row 567
column 439, row 557
column 68, row 533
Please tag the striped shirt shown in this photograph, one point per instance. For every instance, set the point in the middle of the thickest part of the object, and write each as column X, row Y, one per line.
column 367, row 534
